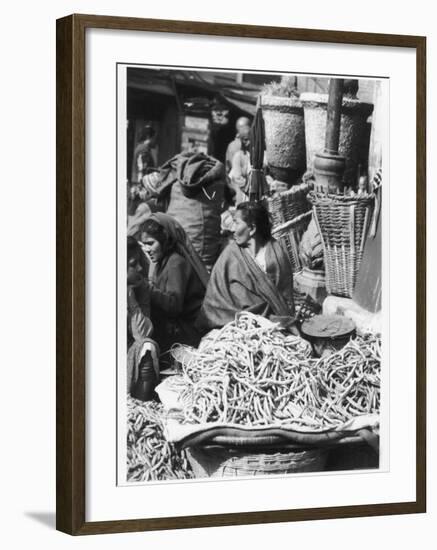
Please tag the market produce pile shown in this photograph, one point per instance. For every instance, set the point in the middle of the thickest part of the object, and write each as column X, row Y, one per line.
column 149, row 455
column 253, row 374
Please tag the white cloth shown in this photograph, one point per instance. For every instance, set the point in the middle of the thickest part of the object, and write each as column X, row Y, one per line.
column 260, row 258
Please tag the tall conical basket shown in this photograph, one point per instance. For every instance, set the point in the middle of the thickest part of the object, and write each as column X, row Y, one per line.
column 285, row 136
column 343, row 222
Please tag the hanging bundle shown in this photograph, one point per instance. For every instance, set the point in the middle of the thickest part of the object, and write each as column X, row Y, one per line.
column 258, row 187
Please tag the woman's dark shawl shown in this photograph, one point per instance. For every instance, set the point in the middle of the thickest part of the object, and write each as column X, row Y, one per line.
column 134, row 356
column 237, row 283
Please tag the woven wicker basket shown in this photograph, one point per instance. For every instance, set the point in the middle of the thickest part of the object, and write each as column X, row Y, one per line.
column 284, row 133
column 343, row 222
column 217, row 461
column 290, row 234
column 286, row 206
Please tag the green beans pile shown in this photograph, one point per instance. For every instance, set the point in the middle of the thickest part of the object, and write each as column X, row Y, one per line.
column 349, row 379
column 149, row 456
column 252, row 374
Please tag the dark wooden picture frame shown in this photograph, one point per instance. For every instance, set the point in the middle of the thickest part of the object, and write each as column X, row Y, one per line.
column 71, row 247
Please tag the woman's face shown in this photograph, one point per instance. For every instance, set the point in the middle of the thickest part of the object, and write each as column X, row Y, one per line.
column 134, row 271
column 152, row 247
column 242, row 232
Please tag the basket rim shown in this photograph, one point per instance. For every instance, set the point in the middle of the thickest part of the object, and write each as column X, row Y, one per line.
column 316, row 98
column 291, row 223
column 252, row 463
column 317, row 198
column 270, row 100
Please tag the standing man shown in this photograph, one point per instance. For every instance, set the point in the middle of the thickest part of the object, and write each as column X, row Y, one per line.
column 235, row 145
column 143, row 158
column 241, row 167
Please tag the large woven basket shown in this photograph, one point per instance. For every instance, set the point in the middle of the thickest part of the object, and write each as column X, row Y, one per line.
column 343, row 222
column 287, row 205
column 290, row 234
column 218, row 461
column 284, row 133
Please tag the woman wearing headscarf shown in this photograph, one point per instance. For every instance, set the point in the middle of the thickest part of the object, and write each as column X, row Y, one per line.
column 177, row 281
column 252, row 274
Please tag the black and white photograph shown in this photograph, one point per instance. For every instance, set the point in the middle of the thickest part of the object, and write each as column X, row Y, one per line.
column 252, row 210
column 227, row 339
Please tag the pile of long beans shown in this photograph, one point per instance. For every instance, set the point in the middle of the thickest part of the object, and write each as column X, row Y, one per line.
column 149, row 455
column 350, row 379
column 252, row 374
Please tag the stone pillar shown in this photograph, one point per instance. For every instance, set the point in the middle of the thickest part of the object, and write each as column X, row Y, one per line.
column 329, row 165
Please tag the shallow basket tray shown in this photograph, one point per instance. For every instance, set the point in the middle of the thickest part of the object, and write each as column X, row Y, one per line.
column 220, row 461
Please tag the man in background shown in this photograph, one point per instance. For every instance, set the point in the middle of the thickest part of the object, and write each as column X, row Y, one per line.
column 242, row 124
column 241, row 167
column 143, row 158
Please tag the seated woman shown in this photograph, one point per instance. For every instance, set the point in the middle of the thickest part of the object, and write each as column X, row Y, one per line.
column 142, row 357
column 177, row 280
column 252, row 274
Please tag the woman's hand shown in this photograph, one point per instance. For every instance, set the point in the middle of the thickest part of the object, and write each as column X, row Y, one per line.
column 286, row 322
column 293, row 329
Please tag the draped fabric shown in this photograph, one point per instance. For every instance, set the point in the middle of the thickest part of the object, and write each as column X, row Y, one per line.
column 142, row 212
column 237, row 283
column 134, row 356
column 258, row 187
column 192, row 170
column 176, row 298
